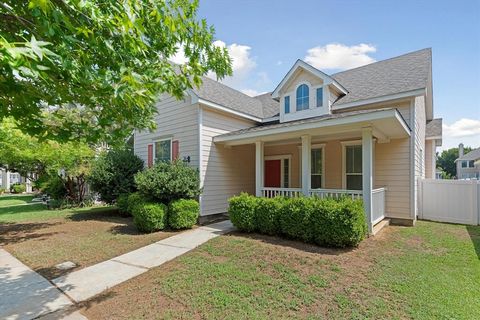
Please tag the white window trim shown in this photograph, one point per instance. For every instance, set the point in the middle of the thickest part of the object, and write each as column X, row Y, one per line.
column 309, row 96
column 282, row 158
column 154, row 142
column 313, row 146
column 323, row 94
column 344, row 159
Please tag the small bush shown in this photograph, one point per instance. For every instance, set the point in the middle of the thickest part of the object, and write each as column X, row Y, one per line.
column 241, row 210
column 122, row 204
column 18, row 188
column 54, row 187
column 134, row 199
column 168, row 181
column 338, row 223
column 267, row 212
column 113, row 174
column 183, row 213
column 150, row 217
column 295, row 218
column 2, row 190
column 326, row 222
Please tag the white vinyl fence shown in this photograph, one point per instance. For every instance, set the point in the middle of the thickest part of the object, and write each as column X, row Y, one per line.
column 456, row 201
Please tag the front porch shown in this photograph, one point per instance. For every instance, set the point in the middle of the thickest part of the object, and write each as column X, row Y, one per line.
column 333, row 157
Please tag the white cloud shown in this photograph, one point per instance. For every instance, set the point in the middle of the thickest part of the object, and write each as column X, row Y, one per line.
column 340, row 56
column 179, row 57
column 466, row 131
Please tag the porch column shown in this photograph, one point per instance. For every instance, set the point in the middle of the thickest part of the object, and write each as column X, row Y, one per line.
column 367, row 174
column 306, row 162
column 259, row 163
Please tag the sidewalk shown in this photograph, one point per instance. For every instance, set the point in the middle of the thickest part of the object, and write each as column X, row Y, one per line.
column 24, row 294
column 85, row 283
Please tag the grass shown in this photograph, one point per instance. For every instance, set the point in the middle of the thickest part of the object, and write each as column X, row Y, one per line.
column 42, row 238
column 431, row 271
column 10, row 200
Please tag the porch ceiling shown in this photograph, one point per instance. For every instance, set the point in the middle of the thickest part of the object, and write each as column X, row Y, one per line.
column 386, row 124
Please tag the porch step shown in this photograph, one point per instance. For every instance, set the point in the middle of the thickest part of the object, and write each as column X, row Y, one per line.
column 379, row 226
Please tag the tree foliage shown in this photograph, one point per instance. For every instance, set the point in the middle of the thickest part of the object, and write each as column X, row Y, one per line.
column 108, row 61
column 113, row 174
column 446, row 161
column 34, row 158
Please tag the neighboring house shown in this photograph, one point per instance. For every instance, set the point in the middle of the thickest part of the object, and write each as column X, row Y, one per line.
column 366, row 132
column 7, row 179
column 468, row 165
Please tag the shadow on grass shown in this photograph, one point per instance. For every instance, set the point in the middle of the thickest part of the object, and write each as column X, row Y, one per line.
column 474, row 233
column 109, row 214
column 298, row 245
column 11, row 233
column 20, row 208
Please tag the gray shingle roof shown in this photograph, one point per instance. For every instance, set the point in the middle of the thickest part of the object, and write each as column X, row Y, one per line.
column 404, row 73
column 302, row 121
column 472, row 155
column 434, row 128
column 221, row 94
column 395, row 75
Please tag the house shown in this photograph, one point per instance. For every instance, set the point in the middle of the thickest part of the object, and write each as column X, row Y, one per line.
column 8, row 178
column 367, row 132
column 468, row 165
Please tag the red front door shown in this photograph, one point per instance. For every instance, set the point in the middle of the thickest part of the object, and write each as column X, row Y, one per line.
column 273, row 173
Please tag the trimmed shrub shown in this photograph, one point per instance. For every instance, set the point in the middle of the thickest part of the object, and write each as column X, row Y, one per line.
column 168, row 181
column 295, row 218
column 18, row 188
column 150, row 217
column 338, row 223
column 183, row 213
column 122, row 204
column 326, row 222
column 113, row 174
column 134, row 199
column 267, row 212
column 241, row 210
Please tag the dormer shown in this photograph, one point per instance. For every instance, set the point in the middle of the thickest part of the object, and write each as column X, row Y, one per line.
column 306, row 92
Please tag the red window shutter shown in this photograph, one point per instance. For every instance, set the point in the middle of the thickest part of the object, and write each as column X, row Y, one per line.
column 150, row 155
column 175, row 150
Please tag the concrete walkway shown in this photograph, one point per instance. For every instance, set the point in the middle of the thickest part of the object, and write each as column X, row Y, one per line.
column 24, row 294
column 85, row 283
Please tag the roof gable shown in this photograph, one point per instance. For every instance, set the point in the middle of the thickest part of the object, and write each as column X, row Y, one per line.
column 327, row 80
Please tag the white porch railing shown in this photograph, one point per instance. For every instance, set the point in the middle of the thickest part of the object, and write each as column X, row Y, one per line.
column 378, row 205
column 335, row 193
column 282, row 192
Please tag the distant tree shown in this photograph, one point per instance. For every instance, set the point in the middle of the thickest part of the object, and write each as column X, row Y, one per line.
column 34, row 158
column 446, row 161
column 108, row 60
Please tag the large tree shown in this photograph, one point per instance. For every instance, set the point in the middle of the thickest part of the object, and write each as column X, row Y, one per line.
column 446, row 160
column 108, row 60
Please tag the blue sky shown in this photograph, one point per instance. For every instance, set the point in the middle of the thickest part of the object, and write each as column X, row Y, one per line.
column 266, row 37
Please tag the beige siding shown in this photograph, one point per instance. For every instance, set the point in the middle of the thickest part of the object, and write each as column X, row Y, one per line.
column 430, row 159
column 225, row 171
column 419, row 147
column 177, row 120
column 300, row 77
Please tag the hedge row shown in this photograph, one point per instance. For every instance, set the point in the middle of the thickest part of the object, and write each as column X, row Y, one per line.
column 326, row 222
column 151, row 216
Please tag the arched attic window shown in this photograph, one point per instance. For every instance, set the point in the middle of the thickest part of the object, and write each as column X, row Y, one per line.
column 303, row 97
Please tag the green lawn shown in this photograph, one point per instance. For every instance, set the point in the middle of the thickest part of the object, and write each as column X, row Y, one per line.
column 431, row 271
column 10, row 200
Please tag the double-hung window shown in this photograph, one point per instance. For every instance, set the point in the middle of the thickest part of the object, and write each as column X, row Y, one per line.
column 353, row 167
column 303, row 97
column 163, row 150
column 316, row 168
